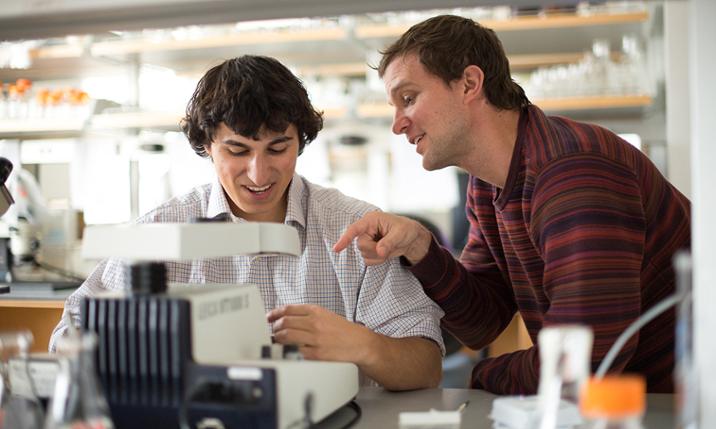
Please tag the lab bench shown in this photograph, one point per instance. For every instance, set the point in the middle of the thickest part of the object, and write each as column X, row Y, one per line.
column 381, row 409
column 38, row 311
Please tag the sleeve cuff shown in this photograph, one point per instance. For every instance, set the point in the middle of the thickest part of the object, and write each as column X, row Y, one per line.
column 431, row 268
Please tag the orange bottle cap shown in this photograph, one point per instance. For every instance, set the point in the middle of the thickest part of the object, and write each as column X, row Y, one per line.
column 614, row 396
column 23, row 83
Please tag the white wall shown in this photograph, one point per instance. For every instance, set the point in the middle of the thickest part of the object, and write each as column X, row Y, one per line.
column 703, row 132
column 676, row 71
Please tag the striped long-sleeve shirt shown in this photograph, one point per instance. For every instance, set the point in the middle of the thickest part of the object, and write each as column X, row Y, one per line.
column 583, row 232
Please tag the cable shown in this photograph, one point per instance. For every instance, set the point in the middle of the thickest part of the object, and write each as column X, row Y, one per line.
column 358, row 411
column 645, row 318
column 57, row 270
column 183, row 414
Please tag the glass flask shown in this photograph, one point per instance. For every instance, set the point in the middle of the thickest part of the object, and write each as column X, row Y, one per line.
column 78, row 401
column 565, row 355
column 19, row 406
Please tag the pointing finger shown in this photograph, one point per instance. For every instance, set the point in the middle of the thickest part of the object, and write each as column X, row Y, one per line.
column 354, row 230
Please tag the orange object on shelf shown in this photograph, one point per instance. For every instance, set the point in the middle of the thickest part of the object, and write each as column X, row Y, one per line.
column 23, row 84
column 43, row 96
column 56, row 96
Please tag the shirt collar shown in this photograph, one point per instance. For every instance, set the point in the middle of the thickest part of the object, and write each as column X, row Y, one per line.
column 217, row 200
column 294, row 212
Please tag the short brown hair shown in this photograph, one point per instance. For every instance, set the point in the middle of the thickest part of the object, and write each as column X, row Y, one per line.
column 247, row 93
column 447, row 44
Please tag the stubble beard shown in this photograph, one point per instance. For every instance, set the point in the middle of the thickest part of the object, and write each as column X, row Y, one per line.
column 445, row 151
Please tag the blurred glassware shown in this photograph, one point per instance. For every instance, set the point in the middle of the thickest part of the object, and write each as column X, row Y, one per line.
column 19, row 101
column 685, row 373
column 565, row 356
column 633, row 77
column 78, row 401
column 17, row 410
column 596, row 74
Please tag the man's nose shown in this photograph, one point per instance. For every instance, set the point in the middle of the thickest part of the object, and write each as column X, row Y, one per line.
column 258, row 170
column 400, row 122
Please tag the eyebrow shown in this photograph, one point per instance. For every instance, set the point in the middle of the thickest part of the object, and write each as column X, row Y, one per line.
column 277, row 140
column 399, row 86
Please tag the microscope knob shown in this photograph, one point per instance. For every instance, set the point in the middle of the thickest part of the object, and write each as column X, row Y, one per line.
column 148, row 278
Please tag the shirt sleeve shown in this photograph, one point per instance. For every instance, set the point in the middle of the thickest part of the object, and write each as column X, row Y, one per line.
column 107, row 275
column 392, row 302
column 589, row 225
column 477, row 300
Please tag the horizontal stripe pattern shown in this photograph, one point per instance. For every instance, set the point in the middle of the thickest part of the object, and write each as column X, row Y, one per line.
column 583, row 232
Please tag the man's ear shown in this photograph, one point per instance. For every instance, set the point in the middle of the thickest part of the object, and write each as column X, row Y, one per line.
column 472, row 81
column 207, row 148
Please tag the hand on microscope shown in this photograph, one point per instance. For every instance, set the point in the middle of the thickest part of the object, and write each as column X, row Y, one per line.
column 395, row 363
column 320, row 333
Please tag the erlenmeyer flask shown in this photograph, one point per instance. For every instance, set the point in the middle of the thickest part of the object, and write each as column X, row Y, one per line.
column 19, row 406
column 78, row 401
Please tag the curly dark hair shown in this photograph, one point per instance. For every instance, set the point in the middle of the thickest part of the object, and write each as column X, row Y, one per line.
column 246, row 93
column 447, row 44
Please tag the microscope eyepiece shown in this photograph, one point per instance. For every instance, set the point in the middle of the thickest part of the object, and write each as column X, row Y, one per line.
column 5, row 169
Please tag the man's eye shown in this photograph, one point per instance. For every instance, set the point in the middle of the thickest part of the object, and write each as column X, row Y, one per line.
column 277, row 150
column 237, row 153
column 408, row 99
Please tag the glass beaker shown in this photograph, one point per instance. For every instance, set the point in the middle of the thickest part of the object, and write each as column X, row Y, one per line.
column 565, row 356
column 19, row 406
column 78, row 401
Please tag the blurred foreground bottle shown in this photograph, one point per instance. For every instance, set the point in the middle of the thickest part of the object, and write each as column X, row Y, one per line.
column 685, row 375
column 565, row 352
column 78, row 401
column 614, row 402
column 19, row 406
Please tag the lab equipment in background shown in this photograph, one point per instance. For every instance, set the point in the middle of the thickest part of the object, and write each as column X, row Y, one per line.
column 78, row 401
column 6, row 199
column 598, row 72
column 353, row 158
column 18, row 101
column 164, row 355
column 19, row 408
column 564, row 367
column 20, row 238
column 614, row 402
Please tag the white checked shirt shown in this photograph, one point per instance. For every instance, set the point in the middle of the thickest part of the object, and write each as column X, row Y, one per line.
column 385, row 298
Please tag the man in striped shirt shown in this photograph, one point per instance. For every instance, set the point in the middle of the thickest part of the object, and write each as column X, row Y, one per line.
column 252, row 117
column 569, row 224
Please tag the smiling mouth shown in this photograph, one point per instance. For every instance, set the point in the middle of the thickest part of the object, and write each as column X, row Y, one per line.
column 417, row 139
column 258, row 190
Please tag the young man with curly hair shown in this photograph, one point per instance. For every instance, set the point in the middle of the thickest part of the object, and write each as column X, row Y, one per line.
column 252, row 117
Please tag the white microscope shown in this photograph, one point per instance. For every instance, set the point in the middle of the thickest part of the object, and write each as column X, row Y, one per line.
column 201, row 355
